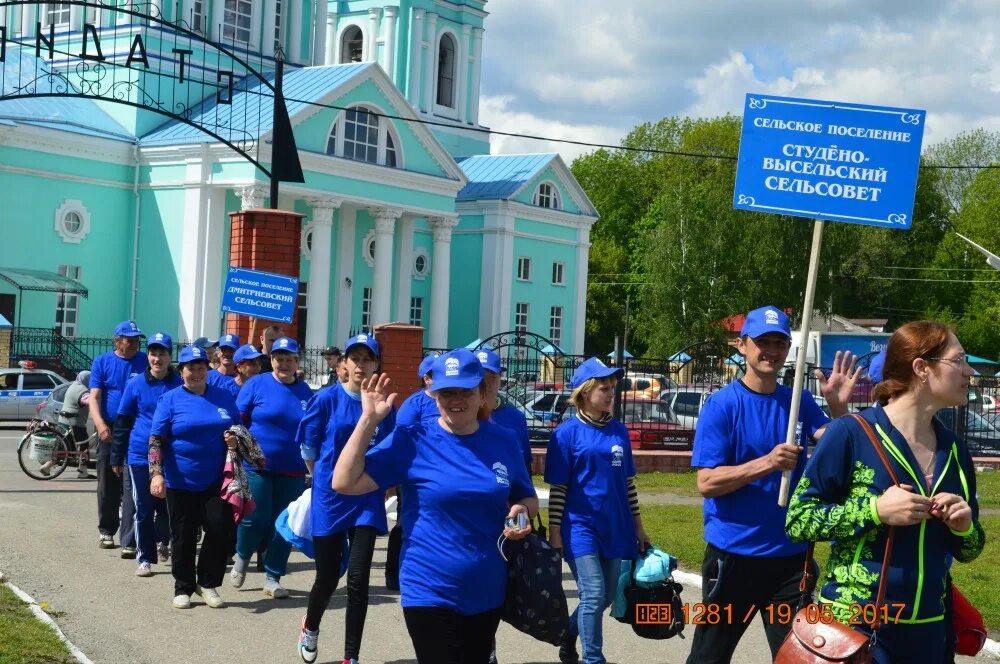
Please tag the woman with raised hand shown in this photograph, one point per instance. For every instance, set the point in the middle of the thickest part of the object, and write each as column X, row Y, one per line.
column 329, row 420
column 593, row 503
column 847, row 495
column 130, row 451
column 461, row 477
column 187, row 454
column 272, row 405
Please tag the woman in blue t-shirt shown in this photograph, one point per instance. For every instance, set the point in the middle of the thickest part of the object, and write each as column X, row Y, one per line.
column 272, row 405
column 187, row 454
column 328, row 422
column 460, row 478
column 593, row 503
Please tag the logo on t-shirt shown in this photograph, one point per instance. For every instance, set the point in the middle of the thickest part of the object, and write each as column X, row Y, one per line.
column 304, row 404
column 451, row 366
column 224, row 414
column 500, row 471
column 617, row 454
column 133, row 374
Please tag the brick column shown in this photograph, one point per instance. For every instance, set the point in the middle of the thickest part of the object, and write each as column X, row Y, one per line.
column 265, row 240
column 402, row 351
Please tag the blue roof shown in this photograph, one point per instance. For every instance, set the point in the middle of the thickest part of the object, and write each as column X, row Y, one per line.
column 493, row 177
column 309, row 84
column 74, row 114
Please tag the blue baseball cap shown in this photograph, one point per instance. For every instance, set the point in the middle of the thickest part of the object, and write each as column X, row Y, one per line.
column 160, row 339
column 764, row 320
column 876, row 366
column 128, row 328
column 285, row 345
column 490, row 361
column 203, row 342
column 246, row 352
column 192, row 354
column 426, row 364
column 366, row 340
column 458, row 368
column 593, row 367
column 229, row 341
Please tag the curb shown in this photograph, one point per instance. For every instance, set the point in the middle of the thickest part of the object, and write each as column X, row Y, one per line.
column 991, row 650
column 47, row 619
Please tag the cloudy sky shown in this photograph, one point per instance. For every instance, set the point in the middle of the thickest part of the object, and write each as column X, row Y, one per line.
column 592, row 69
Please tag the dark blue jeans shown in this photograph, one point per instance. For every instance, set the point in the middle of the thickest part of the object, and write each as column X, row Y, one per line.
column 152, row 525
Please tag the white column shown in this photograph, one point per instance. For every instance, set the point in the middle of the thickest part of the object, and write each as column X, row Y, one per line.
column 372, row 42
column 405, row 263
column 385, row 224
column 343, row 293
column 3, row 20
column 319, row 17
column 440, row 281
column 477, row 72
column 462, row 89
column 416, row 62
column 193, row 226
column 215, row 23
column 318, row 295
column 430, row 72
column 330, row 57
column 270, row 18
column 390, row 42
column 210, row 317
column 580, row 303
column 124, row 18
column 497, row 277
column 76, row 17
column 295, row 35
column 27, row 20
column 252, row 196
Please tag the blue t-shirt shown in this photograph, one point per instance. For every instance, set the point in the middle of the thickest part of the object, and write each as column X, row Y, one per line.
column 191, row 425
column 511, row 418
column 328, row 422
column 416, row 408
column 222, row 380
column 594, row 464
column 737, row 425
column 274, row 411
column 110, row 373
column 139, row 402
column 457, row 490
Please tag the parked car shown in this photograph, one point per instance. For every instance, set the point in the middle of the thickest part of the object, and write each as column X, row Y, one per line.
column 982, row 436
column 686, row 402
column 538, row 429
column 645, row 386
column 651, row 425
column 22, row 389
column 549, row 405
column 50, row 408
column 989, row 403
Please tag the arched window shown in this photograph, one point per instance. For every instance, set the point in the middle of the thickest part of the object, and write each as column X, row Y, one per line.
column 446, row 72
column 360, row 134
column 351, row 45
column 547, row 196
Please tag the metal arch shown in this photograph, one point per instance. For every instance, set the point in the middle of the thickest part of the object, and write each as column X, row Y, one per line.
column 517, row 338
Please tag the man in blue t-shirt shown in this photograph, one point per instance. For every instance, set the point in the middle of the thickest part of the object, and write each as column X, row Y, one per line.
column 108, row 377
column 749, row 564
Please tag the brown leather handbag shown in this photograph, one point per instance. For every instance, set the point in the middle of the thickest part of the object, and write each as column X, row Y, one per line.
column 817, row 639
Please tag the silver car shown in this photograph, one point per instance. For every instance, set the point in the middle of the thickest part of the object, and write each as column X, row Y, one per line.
column 53, row 405
column 23, row 390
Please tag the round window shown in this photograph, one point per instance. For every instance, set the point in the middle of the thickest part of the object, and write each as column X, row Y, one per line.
column 72, row 223
column 371, row 248
column 420, row 264
column 309, row 240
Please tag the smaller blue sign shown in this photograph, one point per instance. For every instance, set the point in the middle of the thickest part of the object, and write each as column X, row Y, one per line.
column 829, row 160
column 260, row 294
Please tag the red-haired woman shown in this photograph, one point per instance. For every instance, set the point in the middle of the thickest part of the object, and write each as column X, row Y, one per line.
column 847, row 495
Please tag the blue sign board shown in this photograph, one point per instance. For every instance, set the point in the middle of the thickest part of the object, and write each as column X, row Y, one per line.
column 260, row 294
column 829, row 160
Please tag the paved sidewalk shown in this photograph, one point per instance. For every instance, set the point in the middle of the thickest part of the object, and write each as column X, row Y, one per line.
column 48, row 547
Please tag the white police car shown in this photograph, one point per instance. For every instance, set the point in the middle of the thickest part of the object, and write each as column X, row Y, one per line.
column 23, row 388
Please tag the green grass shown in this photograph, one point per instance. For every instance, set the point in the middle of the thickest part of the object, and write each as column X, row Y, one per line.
column 25, row 640
column 988, row 488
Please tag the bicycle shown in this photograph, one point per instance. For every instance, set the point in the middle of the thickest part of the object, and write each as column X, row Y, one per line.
column 47, row 449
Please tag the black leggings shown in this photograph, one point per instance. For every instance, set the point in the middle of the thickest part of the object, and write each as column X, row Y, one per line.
column 443, row 636
column 329, row 549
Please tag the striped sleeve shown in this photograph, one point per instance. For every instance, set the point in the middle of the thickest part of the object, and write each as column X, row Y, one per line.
column 557, row 504
column 633, row 496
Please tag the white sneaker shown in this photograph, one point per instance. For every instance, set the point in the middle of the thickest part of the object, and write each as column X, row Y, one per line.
column 182, row 601
column 273, row 588
column 106, row 541
column 82, row 473
column 211, row 597
column 144, row 569
column 163, row 553
column 238, row 574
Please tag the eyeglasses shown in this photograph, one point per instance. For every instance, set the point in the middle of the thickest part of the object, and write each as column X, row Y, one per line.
column 959, row 360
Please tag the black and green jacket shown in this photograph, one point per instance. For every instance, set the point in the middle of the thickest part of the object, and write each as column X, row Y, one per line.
column 835, row 500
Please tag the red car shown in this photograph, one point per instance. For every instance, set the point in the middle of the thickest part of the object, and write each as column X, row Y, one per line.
column 651, row 426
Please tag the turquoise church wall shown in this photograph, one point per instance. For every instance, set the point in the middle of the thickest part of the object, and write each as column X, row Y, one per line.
column 466, row 280
column 539, row 292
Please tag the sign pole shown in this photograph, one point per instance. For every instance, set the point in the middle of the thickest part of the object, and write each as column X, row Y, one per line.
column 800, row 358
